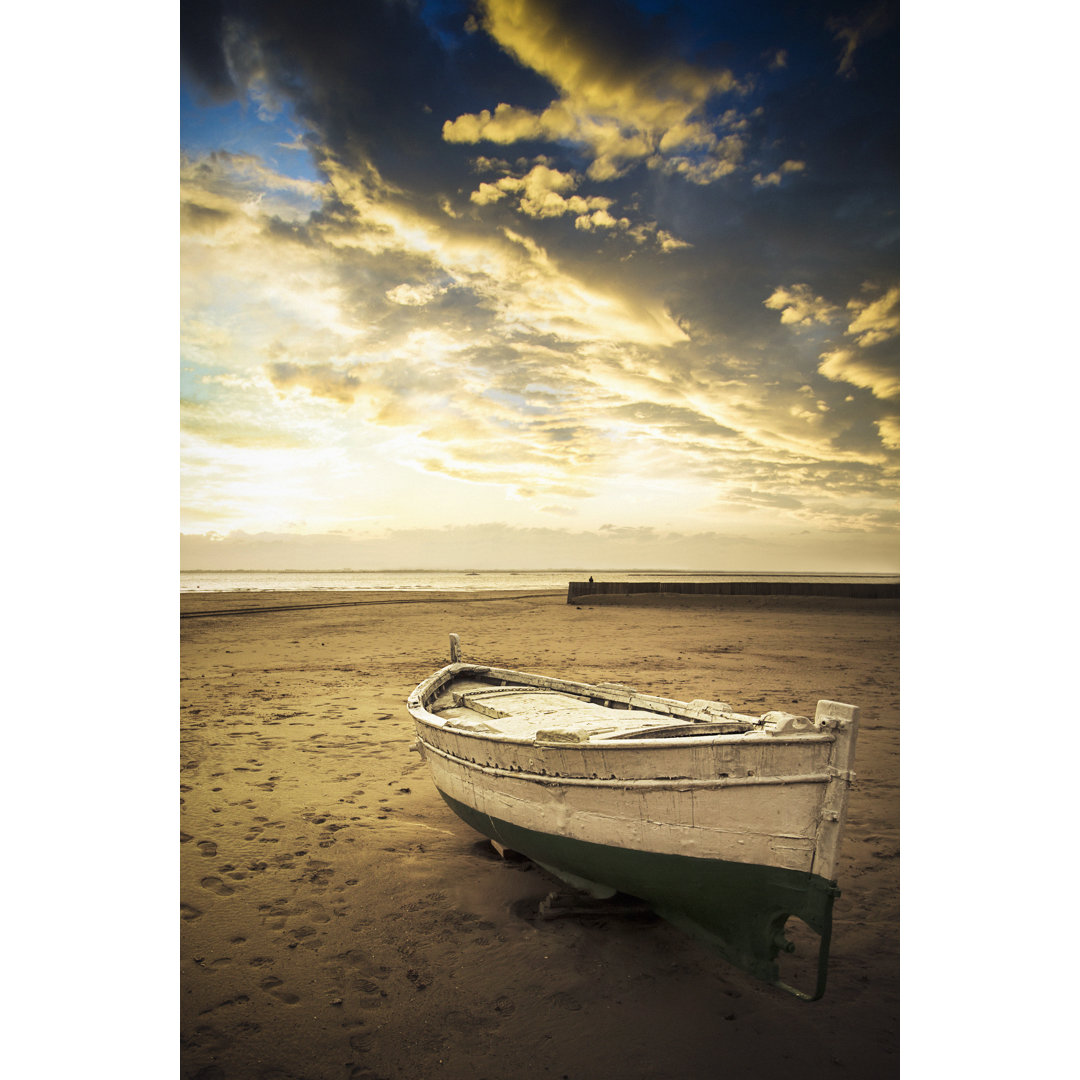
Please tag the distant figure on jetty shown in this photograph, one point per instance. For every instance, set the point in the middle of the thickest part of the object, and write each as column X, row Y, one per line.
column 590, row 579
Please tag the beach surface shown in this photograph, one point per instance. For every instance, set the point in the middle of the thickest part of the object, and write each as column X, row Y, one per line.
column 338, row 921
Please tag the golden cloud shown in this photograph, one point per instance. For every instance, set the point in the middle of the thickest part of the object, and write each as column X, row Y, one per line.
column 321, row 380
column 875, row 320
column 544, row 192
column 798, row 306
column 623, row 112
column 889, row 430
column 774, row 178
column 415, row 295
column 847, row 365
column 322, row 330
column 541, row 193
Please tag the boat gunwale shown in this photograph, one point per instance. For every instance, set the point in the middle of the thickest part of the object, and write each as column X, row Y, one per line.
column 748, row 738
column 430, row 687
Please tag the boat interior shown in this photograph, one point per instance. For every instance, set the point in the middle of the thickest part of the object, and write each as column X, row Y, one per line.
column 524, row 712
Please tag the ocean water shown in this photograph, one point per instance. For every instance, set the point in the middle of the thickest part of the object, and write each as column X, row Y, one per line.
column 465, row 580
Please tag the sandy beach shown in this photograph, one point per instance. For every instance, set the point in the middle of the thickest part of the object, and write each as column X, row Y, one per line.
column 337, row 921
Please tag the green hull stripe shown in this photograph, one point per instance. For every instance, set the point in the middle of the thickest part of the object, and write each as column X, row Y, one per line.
column 738, row 908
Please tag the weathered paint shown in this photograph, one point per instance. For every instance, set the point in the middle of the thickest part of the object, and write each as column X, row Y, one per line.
column 749, row 822
column 739, row 908
column 727, row 824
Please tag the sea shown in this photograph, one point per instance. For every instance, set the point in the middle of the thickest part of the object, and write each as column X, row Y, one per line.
column 468, row 580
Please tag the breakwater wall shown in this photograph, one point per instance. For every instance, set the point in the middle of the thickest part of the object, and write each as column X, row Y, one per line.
column 861, row 590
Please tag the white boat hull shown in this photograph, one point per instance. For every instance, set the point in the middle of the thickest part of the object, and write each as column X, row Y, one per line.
column 727, row 832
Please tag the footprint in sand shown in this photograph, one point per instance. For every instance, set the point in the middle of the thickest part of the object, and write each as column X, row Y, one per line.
column 207, row 848
column 565, row 1001
column 271, row 986
column 361, row 1043
column 188, row 912
column 361, row 1072
column 216, row 885
column 316, row 911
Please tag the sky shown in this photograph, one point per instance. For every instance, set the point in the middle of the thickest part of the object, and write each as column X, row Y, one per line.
column 540, row 283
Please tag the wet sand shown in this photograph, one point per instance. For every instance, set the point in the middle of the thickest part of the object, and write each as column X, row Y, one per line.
column 337, row 921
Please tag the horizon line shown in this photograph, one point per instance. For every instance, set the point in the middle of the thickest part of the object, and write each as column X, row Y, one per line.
column 528, row 570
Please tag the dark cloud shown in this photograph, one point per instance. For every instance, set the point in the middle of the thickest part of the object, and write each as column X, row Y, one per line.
column 196, row 218
column 202, row 57
column 371, row 77
column 377, row 79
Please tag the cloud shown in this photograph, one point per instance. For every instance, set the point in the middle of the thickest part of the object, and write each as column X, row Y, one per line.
column 769, row 499
column 798, row 306
column 322, row 380
column 852, row 31
column 415, row 295
column 850, row 365
column 453, row 401
column 889, row 429
column 621, row 106
column 226, row 197
column 869, row 364
column 543, row 193
column 864, row 363
column 875, row 320
column 208, row 424
column 869, row 544
column 668, row 242
column 231, row 174
column 598, row 219
column 773, row 179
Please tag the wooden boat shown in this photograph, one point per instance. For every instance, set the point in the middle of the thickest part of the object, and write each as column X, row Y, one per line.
column 726, row 824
